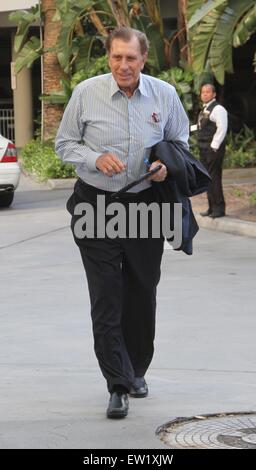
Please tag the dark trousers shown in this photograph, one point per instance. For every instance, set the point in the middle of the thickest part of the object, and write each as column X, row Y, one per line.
column 122, row 275
column 213, row 162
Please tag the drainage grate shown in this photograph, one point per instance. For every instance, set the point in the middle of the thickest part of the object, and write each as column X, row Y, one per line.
column 218, row 431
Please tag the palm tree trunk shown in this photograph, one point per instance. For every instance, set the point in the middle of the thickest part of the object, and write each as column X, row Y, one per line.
column 120, row 12
column 183, row 32
column 98, row 23
column 52, row 72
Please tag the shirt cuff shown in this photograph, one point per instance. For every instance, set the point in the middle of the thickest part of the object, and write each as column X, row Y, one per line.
column 91, row 158
column 213, row 147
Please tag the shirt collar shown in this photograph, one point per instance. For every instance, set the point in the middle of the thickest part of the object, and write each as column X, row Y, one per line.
column 142, row 86
column 114, row 88
column 205, row 105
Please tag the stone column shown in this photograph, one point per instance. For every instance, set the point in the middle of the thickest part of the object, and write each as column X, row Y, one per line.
column 23, row 105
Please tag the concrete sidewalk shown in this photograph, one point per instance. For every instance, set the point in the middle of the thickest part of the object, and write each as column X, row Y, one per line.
column 52, row 392
column 230, row 224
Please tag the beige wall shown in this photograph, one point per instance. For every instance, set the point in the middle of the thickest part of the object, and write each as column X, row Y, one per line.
column 8, row 5
column 23, row 107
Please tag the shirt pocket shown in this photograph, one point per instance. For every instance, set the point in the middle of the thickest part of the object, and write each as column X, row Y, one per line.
column 153, row 133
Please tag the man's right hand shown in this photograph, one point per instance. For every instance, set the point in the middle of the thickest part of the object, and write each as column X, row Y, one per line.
column 109, row 164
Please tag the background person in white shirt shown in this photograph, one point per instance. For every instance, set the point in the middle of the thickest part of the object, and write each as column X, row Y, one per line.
column 212, row 129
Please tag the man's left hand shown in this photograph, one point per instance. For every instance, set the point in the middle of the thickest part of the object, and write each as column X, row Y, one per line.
column 161, row 174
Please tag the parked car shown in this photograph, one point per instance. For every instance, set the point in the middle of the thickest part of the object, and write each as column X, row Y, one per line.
column 9, row 171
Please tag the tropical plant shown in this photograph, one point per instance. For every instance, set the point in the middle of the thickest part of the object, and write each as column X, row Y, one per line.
column 183, row 81
column 240, row 148
column 94, row 67
column 74, row 32
column 84, row 23
column 214, row 28
column 39, row 159
column 28, row 50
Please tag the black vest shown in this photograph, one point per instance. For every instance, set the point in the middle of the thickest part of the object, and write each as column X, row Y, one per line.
column 206, row 127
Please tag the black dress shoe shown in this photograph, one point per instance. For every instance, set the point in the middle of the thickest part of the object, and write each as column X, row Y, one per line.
column 214, row 215
column 206, row 213
column 139, row 388
column 118, row 405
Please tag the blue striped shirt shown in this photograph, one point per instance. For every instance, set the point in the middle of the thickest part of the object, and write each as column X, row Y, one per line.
column 100, row 118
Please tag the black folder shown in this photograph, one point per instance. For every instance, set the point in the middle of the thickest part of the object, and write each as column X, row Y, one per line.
column 135, row 182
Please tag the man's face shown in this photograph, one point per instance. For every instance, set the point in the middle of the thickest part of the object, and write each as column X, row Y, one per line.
column 207, row 94
column 126, row 62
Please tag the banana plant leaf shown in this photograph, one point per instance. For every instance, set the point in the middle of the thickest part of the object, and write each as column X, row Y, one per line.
column 152, row 8
column 59, row 97
column 156, row 57
column 246, row 28
column 220, row 53
column 28, row 54
column 55, row 98
column 24, row 19
column 82, row 54
column 203, row 10
column 192, row 7
column 64, row 43
column 69, row 18
column 202, row 38
column 156, row 50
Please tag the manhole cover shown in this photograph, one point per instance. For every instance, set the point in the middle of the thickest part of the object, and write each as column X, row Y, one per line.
column 219, row 431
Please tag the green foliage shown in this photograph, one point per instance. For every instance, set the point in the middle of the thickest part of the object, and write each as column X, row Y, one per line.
column 70, row 15
column 201, row 40
column 246, row 28
column 193, row 144
column 24, row 19
column 40, row 160
column 238, row 192
column 156, row 57
column 239, row 158
column 182, row 80
column 95, row 67
column 59, row 97
column 198, row 11
column 240, row 149
column 213, row 28
column 31, row 51
column 81, row 38
column 91, row 69
column 253, row 198
column 220, row 54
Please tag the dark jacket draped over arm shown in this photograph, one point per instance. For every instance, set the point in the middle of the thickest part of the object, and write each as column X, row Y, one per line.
column 186, row 177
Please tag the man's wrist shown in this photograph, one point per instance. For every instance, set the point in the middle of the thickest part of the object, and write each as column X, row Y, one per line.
column 91, row 159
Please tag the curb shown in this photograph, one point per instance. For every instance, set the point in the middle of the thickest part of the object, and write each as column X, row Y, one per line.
column 227, row 224
column 238, row 176
column 67, row 183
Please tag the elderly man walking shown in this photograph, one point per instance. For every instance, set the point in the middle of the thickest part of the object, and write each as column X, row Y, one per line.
column 108, row 129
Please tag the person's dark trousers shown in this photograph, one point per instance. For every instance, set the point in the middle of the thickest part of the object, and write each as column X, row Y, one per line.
column 122, row 276
column 213, row 162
